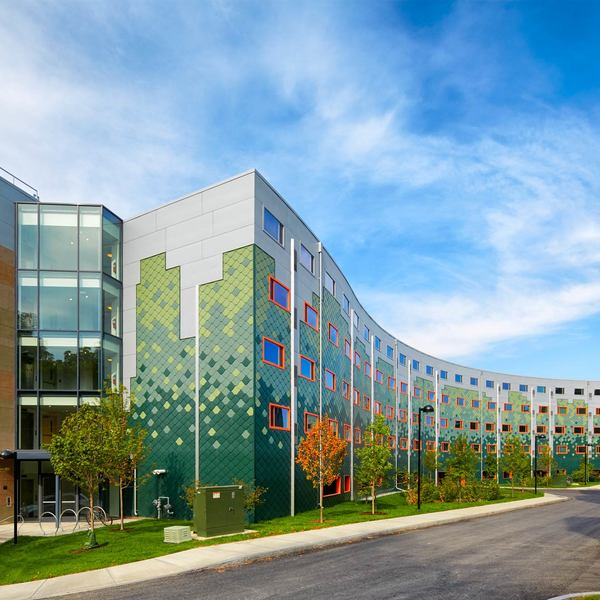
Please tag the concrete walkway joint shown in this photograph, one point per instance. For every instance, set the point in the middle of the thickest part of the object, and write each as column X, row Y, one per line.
column 208, row 557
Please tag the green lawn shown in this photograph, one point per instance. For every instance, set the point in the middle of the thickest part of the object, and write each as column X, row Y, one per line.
column 42, row 557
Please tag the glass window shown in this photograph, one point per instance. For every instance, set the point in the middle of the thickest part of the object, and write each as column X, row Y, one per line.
column 402, row 359
column 330, row 380
column 273, row 353
column 279, row 294
column 307, row 260
column 279, row 417
column 506, row 386
column 489, row 383
column 90, row 223
column 523, row 387
column 90, row 313
column 28, row 236
column 272, row 226
column 53, row 411
column 112, row 308
column 27, row 362
column 415, row 364
column 541, row 389
column 111, row 245
column 443, row 374
column 346, row 304
column 307, row 368
column 58, row 237
column 428, row 369
column 27, row 302
column 29, row 489
column 89, row 362
column 474, row 381
column 356, row 320
column 390, row 352
column 28, row 429
column 366, row 333
column 58, row 361
column 329, row 283
column 377, row 343
column 458, row 378
column 111, row 373
column 58, row 301
column 333, row 334
column 311, row 316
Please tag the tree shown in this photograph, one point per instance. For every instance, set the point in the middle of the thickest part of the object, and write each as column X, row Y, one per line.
column 461, row 463
column 490, row 466
column 374, row 458
column 515, row 460
column 126, row 441
column 321, row 455
column 545, row 460
column 431, row 463
column 79, row 453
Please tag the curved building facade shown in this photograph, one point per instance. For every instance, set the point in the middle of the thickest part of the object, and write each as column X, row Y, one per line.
column 239, row 331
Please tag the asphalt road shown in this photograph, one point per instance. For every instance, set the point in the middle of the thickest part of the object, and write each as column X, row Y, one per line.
column 530, row 554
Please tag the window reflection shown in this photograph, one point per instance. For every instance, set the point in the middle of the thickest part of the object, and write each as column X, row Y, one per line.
column 112, row 304
column 58, row 237
column 112, row 367
column 89, row 363
column 90, row 314
column 27, row 303
column 58, row 301
column 28, row 236
column 111, row 245
column 90, row 227
column 53, row 411
column 27, row 362
column 58, row 362
column 28, row 432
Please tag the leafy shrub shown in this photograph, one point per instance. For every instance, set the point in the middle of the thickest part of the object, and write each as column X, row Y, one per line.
column 449, row 489
column 429, row 493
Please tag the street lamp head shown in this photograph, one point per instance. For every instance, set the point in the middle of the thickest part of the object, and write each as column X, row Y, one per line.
column 427, row 408
column 541, row 437
column 7, row 454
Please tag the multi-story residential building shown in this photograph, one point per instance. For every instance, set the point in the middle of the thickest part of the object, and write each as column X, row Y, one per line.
column 235, row 330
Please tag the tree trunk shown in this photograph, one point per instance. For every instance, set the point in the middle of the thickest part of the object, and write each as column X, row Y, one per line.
column 373, row 498
column 91, row 493
column 121, row 511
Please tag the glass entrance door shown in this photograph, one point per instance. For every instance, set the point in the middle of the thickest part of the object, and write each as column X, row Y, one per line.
column 48, row 495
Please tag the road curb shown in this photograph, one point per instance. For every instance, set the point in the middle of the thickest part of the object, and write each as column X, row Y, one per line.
column 576, row 595
column 245, row 551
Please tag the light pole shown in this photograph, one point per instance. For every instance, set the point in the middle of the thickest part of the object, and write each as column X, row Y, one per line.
column 7, row 455
column 423, row 409
column 535, row 455
column 585, row 469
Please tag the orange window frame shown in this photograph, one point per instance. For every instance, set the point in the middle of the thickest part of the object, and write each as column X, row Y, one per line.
column 366, row 402
column 506, row 428
column 378, row 376
column 445, row 399
column 490, row 427
column 367, row 368
column 403, row 445
column 331, row 326
column 334, row 427
column 357, row 361
column 417, row 392
column 560, row 429
column 541, row 428
column 417, row 444
column 306, row 415
column 330, row 372
column 312, row 368
column 562, row 449
column 523, row 428
column 356, row 399
column 347, row 348
column 561, row 410
column 389, row 412
column 429, row 445
column 345, row 390
column 473, row 425
column 403, row 387
column 281, row 346
column 476, row 447
column 491, row 449
column 475, row 403
column 460, row 401
column 377, row 407
column 402, row 415
column 444, row 446
column 308, row 307
column 338, row 488
column 580, row 449
column 272, row 405
column 430, row 396
column 347, row 432
column 543, row 409
column 580, row 410
column 443, row 422
column 491, row 405
column 347, row 484
column 391, row 383
column 357, row 435
column 578, row 429
column 272, row 282
column 461, row 426
column 525, row 408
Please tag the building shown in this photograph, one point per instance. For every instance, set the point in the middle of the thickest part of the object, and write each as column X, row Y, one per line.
column 235, row 330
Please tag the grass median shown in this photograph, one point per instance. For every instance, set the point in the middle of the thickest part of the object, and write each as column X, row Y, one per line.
column 42, row 557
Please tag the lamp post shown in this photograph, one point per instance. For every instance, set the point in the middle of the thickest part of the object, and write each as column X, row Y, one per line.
column 7, row 455
column 585, row 468
column 423, row 409
column 535, row 456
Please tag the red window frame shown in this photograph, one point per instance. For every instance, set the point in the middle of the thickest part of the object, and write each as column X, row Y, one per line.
column 378, row 376
column 476, row 403
column 492, row 405
column 443, row 422
column 306, row 415
column 417, row 392
column 347, row 484
column 338, row 488
column 430, row 396
column 417, row 444
column 366, row 402
column 331, row 326
column 476, row 447
column 367, row 369
column 562, row 410
column 430, row 445
column 268, row 362
column 490, row 427
column 508, row 406
column 308, row 307
column 445, row 399
column 345, row 390
column 444, row 446
column 356, row 397
column 347, row 432
column 578, row 429
column 391, row 442
column 462, row 424
column 391, row 383
column 357, row 361
column 377, row 408
column 403, row 387
column 562, row 449
column 389, row 412
column 525, row 408
column 357, row 435
column 272, row 282
column 332, row 389
column 347, row 348
column 403, row 443
column 312, row 368
column 402, row 415
column 271, row 426
column 543, row 409
column 541, row 428
column 460, row 401
column 475, row 423
column 506, row 428
column 560, row 429
column 334, row 427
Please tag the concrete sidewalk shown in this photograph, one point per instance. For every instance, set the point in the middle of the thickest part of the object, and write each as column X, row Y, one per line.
column 247, row 550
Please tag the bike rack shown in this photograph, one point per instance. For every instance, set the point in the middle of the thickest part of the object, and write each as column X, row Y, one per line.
column 97, row 509
column 66, row 512
column 20, row 520
column 50, row 514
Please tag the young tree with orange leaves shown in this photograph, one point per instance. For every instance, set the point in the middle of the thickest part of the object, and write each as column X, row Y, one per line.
column 321, row 455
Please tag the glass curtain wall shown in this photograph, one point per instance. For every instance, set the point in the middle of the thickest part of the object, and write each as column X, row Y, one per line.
column 68, row 315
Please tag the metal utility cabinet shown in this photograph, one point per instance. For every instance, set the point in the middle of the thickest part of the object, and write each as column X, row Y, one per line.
column 219, row 510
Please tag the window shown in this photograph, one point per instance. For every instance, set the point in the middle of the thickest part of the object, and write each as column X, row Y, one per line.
column 333, row 427
column 543, row 409
column 430, row 396
column 489, row 384
column 445, row 399
column 391, row 383
column 580, row 449
column 357, row 436
column 580, row 410
column 402, row 359
column 330, row 380
column 475, row 403
column 473, row 381
column 58, row 300
column 428, row 370
column 476, row 448
column 559, row 390
column 417, row 444
column 357, row 360
column 329, row 283
column 460, row 402
column 523, row 387
column 508, row 407
column 272, row 226
column 279, row 417
column 307, row 260
column 402, row 415
column 415, row 364
column 367, row 368
column 541, row 389
column 347, row 347
column 345, row 390
column 444, row 446
column 333, row 335
column 310, row 420
column 58, row 362
column 490, row 427
column 403, row 445
column 391, row 442
column 444, row 423
column 307, row 368
column 346, row 304
column 523, row 428
column 356, row 400
column 491, row 405
column 279, row 294
column 560, row 429
column 429, row 420
column 417, row 392
column 562, row 449
column 311, row 316
column 578, row 430
column 366, row 333
column 390, row 352
column 333, row 489
column 273, row 353
column 506, row 427
column 377, row 343
column 597, row 392
column 506, row 386
column 541, row 429
column 561, row 410
column 578, row 391
column 430, row 445
column 378, row 376
column 366, row 402
column 491, row 448
column 403, row 387
column 474, row 425
column 458, row 378
column 356, row 320
column 525, row 408
column 347, row 480
column 377, row 408
column 596, row 430
column 389, row 412
column 458, row 424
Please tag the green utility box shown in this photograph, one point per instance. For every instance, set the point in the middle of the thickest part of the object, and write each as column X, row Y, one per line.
column 219, row 510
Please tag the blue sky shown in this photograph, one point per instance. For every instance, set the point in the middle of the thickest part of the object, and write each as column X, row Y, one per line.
column 448, row 153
